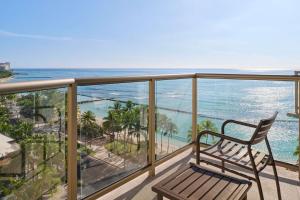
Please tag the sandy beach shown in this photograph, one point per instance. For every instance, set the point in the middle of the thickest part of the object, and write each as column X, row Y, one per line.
column 3, row 80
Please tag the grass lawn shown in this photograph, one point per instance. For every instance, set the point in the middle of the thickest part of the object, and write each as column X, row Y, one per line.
column 81, row 148
column 119, row 148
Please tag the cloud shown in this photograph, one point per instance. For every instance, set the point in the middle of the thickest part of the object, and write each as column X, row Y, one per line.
column 45, row 37
column 33, row 36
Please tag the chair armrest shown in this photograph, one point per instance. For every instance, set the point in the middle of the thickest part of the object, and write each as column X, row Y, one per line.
column 236, row 122
column 222, row 136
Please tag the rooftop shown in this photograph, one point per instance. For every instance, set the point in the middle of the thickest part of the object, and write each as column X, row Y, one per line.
column 7, row 145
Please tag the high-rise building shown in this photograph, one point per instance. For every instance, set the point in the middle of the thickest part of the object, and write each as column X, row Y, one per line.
column 5, row 66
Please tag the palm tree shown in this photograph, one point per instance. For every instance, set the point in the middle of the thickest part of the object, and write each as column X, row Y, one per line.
column 161, row 127
column 113, row 121
column 88, row 119
column 202, row 126
column 136, row 126
column 128, row 121
column 108, row 125
column 171, row 129
column 117, row 107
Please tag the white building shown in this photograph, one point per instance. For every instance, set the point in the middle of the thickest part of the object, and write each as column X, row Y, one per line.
column 5, row 66
column 8, row 148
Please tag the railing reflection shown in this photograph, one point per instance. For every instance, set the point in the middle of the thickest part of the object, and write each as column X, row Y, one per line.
column 33, row 141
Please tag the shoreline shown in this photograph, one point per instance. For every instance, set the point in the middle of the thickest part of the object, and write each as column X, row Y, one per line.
column 6, row 75
column 176, row 142
column 97, row 99
column 6, row 79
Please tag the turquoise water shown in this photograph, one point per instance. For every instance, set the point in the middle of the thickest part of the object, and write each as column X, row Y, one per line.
column 218, row 100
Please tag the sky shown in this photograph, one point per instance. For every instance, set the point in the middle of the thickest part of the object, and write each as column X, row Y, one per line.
column 151, row 34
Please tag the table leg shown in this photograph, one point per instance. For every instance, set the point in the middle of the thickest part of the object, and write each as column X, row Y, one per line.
column 159, row 197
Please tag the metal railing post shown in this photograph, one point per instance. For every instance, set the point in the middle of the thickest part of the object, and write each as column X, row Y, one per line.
column 151, row 127
column 297, row 92
column 72, row 142
column 194, row 111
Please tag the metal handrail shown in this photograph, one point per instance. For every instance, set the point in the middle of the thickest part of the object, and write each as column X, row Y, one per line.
column 128, row 79
column 8, row 88
column 249, row 77
column 50, row 84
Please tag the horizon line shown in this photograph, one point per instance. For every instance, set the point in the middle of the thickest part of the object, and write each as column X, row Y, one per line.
column 248, row 68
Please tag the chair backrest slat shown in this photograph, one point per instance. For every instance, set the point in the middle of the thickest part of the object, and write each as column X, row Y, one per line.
column 265, row 127
column 262, row 129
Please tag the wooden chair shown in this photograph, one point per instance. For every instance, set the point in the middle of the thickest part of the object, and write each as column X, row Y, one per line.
column 240, row 152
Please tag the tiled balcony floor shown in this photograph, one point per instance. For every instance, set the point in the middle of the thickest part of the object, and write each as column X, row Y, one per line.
column 140, row 187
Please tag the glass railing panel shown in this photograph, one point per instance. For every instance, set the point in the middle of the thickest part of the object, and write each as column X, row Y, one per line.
column 113, row 133
column 250, row 101
column 32, row 145
column 173, row 115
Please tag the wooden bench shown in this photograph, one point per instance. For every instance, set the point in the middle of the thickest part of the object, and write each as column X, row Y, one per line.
column 197, row 182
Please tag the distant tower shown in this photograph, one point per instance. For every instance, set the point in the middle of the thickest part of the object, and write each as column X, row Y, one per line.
column 5, row 66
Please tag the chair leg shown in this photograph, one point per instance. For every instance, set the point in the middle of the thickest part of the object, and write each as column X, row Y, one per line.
column 197, row 152
column 276, row 180
column 274, row 168
column 159, row 197
column 261, row 195
column 223, row 166
column 257, row 179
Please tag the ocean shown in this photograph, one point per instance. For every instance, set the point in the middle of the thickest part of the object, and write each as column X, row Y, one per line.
column 218, row 100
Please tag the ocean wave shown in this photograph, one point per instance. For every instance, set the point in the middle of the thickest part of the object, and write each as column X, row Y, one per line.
column 114, row 93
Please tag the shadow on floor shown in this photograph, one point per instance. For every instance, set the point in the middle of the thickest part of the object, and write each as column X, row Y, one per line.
column 131, row 193
column 134, row 191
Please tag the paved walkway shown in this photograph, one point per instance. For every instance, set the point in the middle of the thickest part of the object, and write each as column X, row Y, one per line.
column 103, row 154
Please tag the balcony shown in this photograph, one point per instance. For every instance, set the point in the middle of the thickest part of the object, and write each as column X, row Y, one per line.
column 90, row 138
column 141, row 186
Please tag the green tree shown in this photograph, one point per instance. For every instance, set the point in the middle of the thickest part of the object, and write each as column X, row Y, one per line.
column 39, row 150
column 112, row 124
column 202, row 126
column 135, row 127
column 127, row 121
column 89, row 127
column 171, row 129
column 161, row 127
column 21, row 130
column 88, row 118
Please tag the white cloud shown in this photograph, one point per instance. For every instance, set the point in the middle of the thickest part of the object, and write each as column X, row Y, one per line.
column 45, row 37
column 33, row 36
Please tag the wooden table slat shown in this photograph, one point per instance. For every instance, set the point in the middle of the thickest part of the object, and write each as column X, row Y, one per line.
column 177, row 180
column 197, row 184
column 228, row 190
column 215, row 191
column 205, row 187
column 238, row 193
column 175, row 174
column 200, row 183
column 187, row 182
